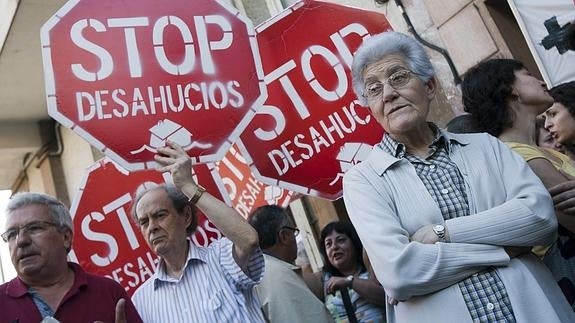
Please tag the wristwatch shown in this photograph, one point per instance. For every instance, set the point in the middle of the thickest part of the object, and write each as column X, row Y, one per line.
column 439, row 230
column 349, row 281
column 199, row 191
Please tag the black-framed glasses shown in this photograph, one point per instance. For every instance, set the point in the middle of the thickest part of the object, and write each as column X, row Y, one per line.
column 295, row 230
column 397, row 80
column 30, row 229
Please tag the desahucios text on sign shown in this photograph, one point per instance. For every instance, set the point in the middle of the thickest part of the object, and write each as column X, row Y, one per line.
column 296, row 140
column 127, row 75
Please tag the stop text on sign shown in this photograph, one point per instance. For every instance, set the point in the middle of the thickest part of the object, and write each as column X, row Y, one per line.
column 129, row 25
column 329, row 131
column 117, row 208
column 151, row 100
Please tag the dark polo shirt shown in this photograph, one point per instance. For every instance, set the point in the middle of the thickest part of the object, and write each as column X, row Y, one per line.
column 91, row 298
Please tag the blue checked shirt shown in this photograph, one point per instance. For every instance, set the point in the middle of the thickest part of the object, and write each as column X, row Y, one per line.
column 213, row 288
column 484, row 292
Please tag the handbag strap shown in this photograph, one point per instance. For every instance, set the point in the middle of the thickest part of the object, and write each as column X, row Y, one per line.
column 348, row 306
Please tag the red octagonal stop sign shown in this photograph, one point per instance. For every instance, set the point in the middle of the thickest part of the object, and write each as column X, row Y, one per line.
column 107, row 241
column 127, row 75
column 311, row 129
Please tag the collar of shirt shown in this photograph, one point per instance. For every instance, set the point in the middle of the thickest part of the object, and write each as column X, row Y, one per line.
column 17, row 288
column 398, row 150
column 270, row 258
column 195, row 254
column 389, row 151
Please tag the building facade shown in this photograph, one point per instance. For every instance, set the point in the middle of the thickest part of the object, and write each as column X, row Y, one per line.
column 37, row 154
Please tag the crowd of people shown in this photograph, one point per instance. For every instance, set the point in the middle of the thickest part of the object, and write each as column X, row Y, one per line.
column 472, row 223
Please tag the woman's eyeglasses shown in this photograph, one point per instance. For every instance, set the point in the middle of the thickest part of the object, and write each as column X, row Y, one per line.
column 397, row 80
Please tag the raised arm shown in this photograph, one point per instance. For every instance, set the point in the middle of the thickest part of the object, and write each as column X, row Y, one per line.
column 175, row 160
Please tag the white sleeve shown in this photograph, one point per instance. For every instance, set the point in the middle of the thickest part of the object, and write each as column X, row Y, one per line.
column 526, row 218
column 405, row 268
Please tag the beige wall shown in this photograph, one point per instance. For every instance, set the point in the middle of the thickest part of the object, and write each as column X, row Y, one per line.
column 76, row 157
column 464, row 27
column 39, row 175
column 37, row 180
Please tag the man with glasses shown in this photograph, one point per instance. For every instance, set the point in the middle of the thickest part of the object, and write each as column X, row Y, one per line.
column 193, row 283
column 283, row 292
column 39, row 234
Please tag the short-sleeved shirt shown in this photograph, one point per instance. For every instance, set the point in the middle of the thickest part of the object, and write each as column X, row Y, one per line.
column 365, row 312
column 212, row 288
column 560, row 161
column 285, row 296
column 559, row 257
column 91, row 298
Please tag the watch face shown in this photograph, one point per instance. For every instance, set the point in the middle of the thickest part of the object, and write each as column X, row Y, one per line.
column 439, row 229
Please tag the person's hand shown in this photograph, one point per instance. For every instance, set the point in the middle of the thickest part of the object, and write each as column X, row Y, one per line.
column 564, row 197
column 174, row 159
column 120, row 312
column 425, row 235
column 334, row 284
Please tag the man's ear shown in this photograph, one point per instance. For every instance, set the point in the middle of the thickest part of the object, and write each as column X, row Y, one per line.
column 68, row 238
column 189, row 214
column 283, row 236
column 431, row 87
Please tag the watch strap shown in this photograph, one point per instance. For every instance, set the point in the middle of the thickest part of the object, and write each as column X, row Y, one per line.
column 439, row 230
column 349, row 280
column 196, row 197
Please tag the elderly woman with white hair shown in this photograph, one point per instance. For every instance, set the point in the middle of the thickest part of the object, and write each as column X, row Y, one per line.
column 447, row 219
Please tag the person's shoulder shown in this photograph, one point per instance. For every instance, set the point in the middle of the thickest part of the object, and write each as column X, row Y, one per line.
column 96, row 281
column 371, row 160
column 526, row 151
column 103, row 282
column 3, row 288
column 277, row 265
column 466, row 137
column 276, row 276
column 470, row 142
column 13, row 288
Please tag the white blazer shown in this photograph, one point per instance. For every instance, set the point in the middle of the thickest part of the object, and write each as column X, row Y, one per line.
column 509, row 205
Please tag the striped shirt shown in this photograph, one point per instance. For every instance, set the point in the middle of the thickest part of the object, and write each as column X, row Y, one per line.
column 484, row 292
column 213, row 288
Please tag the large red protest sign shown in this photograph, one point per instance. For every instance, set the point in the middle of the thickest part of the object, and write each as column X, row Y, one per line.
column 127, row 75
column 107, row 241
column 311, row 128
column 244, row 190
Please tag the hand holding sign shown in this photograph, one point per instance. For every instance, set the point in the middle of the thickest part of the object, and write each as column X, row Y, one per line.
column 174, row 159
